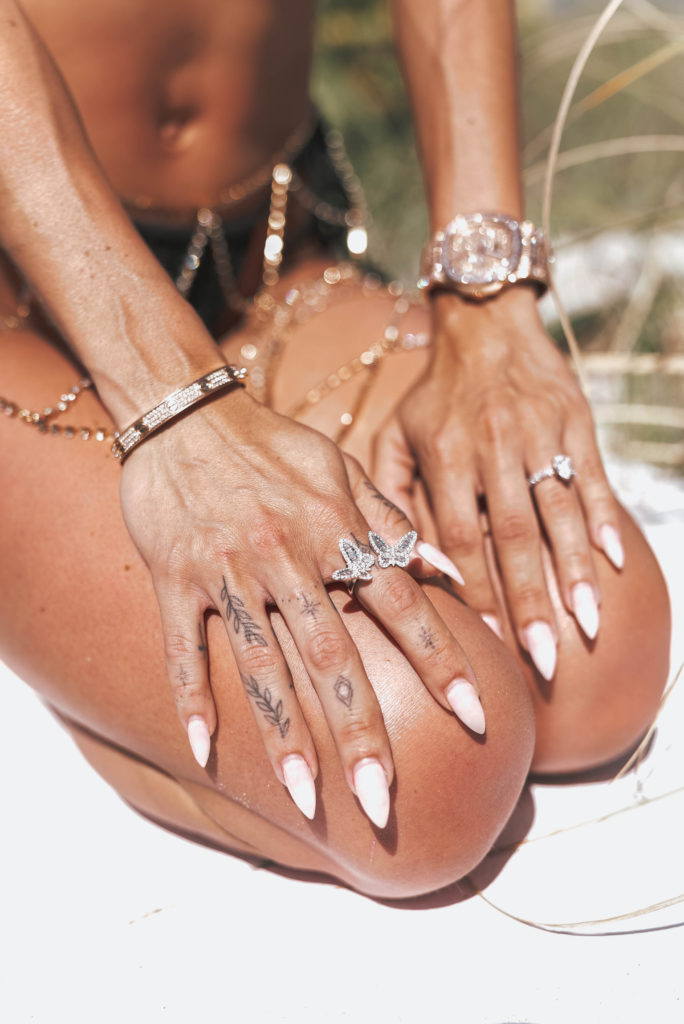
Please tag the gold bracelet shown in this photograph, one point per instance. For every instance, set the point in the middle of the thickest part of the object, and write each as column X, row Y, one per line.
column 173, row 405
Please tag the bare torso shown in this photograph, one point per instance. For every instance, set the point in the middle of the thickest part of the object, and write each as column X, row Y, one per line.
column 182, row 98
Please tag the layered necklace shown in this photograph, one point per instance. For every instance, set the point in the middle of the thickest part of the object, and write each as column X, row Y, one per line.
column 267, row 318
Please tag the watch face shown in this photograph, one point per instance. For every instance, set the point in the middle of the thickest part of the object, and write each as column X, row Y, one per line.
column 479, row 249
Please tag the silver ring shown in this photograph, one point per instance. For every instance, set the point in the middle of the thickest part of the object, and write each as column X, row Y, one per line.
column 359, row 560
column 393, row 554
column 358, row 563
column 561, row 467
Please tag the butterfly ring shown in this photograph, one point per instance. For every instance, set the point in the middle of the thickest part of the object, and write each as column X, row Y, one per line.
column 359, row 562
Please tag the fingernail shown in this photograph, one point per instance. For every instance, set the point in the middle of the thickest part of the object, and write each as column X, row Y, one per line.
column 440, row 561
column 609, row 539
column 465, row 702
column 370, row 783
column 585, row 608
column 200, row 740
column 493, row 624
column 300, row 783
column 541, row 644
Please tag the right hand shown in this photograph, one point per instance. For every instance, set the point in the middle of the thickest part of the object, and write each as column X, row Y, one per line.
column 234, row 508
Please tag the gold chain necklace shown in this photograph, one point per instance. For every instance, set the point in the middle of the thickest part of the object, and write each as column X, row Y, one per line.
column 270, row 319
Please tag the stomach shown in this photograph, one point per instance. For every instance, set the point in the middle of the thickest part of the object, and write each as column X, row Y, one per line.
column 182, row 98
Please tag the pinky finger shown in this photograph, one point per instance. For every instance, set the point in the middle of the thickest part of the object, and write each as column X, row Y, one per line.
column 186, row 662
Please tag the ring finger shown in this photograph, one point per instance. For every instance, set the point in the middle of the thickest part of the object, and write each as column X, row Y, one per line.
column 561, row 514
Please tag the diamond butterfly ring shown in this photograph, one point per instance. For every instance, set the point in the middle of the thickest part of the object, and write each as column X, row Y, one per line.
column 359, row 560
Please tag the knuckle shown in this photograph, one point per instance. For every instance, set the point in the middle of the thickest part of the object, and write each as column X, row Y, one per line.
column 400, row 593
column 515, row 528
column 558, row 500
column 358, row 733
column 179, row 647
column 529, row 597
column 327, row 649
column 457, row 535
column 186, row 694
column 268, row 534
column 258, row 660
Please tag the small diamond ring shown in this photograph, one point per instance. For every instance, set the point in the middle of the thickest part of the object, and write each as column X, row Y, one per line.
column 561, row 467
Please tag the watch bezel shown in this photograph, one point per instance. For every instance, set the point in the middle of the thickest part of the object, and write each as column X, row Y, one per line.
column 476, row 282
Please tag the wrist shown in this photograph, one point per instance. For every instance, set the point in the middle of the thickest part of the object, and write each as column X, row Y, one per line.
column 456, row 319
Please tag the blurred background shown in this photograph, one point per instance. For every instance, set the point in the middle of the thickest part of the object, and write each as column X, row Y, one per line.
column 617, row 217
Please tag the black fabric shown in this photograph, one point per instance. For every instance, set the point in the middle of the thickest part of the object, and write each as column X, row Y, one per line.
column 170, row 243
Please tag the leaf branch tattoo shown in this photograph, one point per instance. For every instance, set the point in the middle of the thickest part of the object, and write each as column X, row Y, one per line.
column 273, row 713
column 241, row 619
column 362, row 545
column 385, row 502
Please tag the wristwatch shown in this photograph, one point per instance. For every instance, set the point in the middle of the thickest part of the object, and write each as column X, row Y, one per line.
column 480, row 254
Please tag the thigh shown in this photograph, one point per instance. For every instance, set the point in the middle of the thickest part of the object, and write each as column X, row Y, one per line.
column 605, row 692
column 78, row 621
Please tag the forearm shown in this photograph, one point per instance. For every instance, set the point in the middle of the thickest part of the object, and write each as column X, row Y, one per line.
column 70, row 237
column 459, row 63
column 458, row 59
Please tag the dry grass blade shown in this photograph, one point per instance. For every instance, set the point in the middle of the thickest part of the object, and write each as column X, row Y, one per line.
column 554, row 148
column 610, row 88
column 604, row 150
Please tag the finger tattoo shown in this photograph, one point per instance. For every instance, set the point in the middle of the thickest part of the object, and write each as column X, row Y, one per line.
column 202, row 646
column 273, row 713
column 344, row 691
column 237, row 613
column 310, row 607
column 385, row 502
column 427, row 638
column 362, row 545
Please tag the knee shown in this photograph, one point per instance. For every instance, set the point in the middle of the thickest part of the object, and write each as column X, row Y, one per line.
column 453, row 791
column 606, row 694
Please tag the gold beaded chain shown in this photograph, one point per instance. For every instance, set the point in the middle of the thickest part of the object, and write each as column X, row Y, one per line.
column 269, row 318
column 44, row 421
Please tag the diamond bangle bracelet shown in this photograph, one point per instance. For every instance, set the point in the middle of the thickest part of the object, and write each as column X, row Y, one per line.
column 173, row 405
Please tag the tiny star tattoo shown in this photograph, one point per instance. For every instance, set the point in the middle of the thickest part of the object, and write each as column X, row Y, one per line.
column 427, row 638
column 309, row 606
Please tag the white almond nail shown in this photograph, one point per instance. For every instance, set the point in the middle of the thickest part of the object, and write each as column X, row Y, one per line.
column 200, row 740
column 585, row 608
column 463, row 698
column 493, row 623
column 541, row 643
column 300, row 783
column 370, row 783
column 440, row 561
column 609, row 539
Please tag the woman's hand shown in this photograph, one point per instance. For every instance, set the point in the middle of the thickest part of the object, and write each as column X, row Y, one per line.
column 236, row 508
column 497, row 403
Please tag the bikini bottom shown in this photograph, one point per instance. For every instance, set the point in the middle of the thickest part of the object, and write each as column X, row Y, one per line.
column 169, row 243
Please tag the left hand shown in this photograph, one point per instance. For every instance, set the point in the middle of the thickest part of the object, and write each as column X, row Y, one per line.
column 496, row 404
